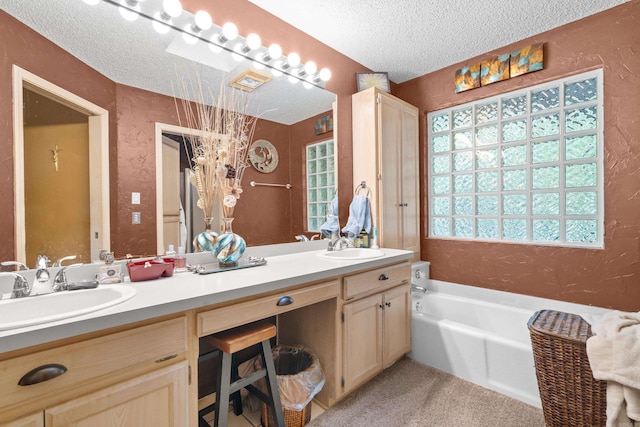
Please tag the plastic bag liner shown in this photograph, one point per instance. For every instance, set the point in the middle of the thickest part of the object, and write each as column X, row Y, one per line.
column 299, row 375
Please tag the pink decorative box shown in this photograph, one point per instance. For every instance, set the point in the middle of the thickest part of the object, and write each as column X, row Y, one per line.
column 150, row 269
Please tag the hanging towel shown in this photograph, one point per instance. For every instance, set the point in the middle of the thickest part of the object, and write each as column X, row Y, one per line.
column 614, row 356
column 331, row 224
column 359, row 217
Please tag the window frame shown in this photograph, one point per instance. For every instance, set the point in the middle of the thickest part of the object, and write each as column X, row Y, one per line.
column 322, row 206
column 562, row 109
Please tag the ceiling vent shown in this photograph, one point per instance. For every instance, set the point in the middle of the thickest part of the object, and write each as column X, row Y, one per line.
column 250, row 80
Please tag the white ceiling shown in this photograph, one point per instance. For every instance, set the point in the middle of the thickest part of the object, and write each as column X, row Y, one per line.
column 410, row 38
column 133, row 54
column 406, row 38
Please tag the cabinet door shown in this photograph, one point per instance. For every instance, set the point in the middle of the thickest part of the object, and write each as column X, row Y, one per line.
column 156, row 399
column 362, row 340
column 390, row 197
column 409, row 175
column 397, row 324
column 35, row 420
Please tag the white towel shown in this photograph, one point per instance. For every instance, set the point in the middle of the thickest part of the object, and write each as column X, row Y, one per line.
column 331, row 224
column 359, row 217
column 614, row 356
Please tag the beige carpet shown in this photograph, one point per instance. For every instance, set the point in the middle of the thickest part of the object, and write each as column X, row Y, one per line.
column 411, row 394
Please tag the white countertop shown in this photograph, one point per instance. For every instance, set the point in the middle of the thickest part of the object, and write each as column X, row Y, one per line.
column 186, row 291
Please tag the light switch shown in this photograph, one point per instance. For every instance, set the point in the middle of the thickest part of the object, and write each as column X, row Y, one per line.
column 135, row 218
column 135, row 198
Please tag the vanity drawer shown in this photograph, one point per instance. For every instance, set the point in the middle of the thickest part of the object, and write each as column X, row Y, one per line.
column 230, row 316
column 92, row 363
column 362, row 284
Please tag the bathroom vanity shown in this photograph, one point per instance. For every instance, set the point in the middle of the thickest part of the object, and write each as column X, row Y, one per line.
column 137, row 362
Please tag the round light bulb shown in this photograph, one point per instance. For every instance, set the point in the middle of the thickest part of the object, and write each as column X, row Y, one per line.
column 307, row 85
column 325, row 74
column 253, row 41
column 275, row 71
column 128, row 14
column 292, row 80
column 293, row 59
column 237, row 52
column 187, row 36
column 230, row 31
column 159, row 24
column 91, row 2
column 275, row 51
column 203, row 20
column 310, row 67
column 214, row 46
column 173, row 8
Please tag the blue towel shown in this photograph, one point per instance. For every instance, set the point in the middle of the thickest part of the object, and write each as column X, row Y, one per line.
column 359, row 217
column 331, row 224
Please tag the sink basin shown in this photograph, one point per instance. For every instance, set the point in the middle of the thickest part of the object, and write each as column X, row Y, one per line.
column 352, row 253
column 28, row 311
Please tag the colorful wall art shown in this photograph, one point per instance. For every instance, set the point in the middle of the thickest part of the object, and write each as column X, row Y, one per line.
column 501, row 67
column 526, row 60
column 467, row 78
column 324, row 124
column 494, row 69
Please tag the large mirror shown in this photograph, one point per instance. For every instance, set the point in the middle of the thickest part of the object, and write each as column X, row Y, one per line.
column 142, row 62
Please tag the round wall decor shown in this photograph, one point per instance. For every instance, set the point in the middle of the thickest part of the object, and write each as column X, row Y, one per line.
column 263, row 156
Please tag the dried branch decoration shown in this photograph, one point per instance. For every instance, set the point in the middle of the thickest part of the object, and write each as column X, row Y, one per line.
column 219, row 152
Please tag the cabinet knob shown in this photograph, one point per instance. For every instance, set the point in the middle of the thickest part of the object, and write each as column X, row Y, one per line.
column 381, row 306
column 42, row 373
column 383, row 276
column 286, row 300
column 388, row 304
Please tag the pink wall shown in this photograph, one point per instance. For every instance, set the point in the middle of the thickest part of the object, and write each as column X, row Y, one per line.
column 609, row 277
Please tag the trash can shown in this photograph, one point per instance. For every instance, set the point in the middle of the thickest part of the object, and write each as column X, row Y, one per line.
column 300, row 378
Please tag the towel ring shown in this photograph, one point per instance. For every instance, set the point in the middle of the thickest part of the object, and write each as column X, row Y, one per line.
column 363, row 186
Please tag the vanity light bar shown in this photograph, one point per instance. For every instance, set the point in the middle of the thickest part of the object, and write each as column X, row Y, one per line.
column 193, row 32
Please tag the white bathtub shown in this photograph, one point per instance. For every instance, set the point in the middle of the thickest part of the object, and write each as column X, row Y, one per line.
column 481, row 335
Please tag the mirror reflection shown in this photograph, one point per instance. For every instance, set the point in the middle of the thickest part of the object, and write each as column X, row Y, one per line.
column 143, row 66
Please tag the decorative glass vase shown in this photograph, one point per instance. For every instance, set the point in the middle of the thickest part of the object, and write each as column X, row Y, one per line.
column 205, row 241
column 229, row 246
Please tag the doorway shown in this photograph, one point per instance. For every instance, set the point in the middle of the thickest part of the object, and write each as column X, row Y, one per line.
column 61, row 147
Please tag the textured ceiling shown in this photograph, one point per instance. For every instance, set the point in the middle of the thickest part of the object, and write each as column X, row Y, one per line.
column 410, row 38
column 406, row 38
column 133, row 54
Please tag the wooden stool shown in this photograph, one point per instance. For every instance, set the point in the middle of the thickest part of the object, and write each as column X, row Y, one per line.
column 233, row 341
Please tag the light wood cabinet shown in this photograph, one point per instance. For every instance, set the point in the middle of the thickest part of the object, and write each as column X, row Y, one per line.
column 377, row 326
column 156, row 399
column 385, row 156
column 34, row 420
column 94, row 374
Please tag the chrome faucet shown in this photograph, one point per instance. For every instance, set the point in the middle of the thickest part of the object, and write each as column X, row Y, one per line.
column 42, row 282
column 418, row 288
column 20, row 285
column 59, row 262
column 338, row 243
column 20, row 265
column 60, row 282
column 302, row 238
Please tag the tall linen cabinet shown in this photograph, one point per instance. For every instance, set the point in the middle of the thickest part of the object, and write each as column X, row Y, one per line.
column 385, row 157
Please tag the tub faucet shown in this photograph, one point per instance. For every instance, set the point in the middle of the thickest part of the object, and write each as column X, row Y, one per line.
column 302, row 238
column 418, row 288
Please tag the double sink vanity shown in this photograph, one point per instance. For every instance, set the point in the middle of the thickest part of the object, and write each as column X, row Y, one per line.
column 134, row 362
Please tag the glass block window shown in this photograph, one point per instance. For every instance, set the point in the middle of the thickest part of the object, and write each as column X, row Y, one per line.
column 321, row 182
column 521, row 167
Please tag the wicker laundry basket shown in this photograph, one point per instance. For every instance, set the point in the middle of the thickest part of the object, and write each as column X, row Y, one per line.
column 569, row 393
column 291, row 418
